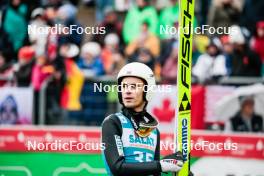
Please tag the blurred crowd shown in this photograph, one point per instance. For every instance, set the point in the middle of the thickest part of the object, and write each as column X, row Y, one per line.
column 127, row 31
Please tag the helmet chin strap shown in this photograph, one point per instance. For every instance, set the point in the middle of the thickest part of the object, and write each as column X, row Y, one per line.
column 139, row 117
column 133, row 112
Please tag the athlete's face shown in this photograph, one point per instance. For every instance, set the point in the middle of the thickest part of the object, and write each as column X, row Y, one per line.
column 132, row 93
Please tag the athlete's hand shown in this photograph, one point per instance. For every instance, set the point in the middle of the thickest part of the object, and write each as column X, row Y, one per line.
column 172, row 163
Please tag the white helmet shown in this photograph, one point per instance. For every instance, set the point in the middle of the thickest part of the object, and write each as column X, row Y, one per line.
column 139, row 70
column 92, row 48
column 236, row 35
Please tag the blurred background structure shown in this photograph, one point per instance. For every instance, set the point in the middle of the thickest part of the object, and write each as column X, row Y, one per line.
column 62, row 67
column 49, row 78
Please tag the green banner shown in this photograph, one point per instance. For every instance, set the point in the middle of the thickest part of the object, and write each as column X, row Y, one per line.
column 51, row 164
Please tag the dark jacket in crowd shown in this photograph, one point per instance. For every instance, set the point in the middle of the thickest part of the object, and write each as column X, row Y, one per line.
column 239, row 125
column 251, row 14
column 115, row 28
column 246, row 63
column 23, row 75
column 223, row 16
column 75, row 37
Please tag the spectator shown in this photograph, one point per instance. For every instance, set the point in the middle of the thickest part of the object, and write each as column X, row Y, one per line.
column 146, row 40
column 54, row 89
column 210, row 65
column 245, row 120
column 111, row 24
column 257, row 43
column 90, row 61
column 251, row 14
column 52, row 38
column 3, row 3
column 67, row 16
column 224, row 13
column 93, row 102
column 72, row 89
column 203, row 8
column 40, row 72
column 5, row 69
column 200, row 43
column 136, row 16
column 14, row 27
column 101, row 6
column 168, row 17
column 227, row 52
column 23, row 69
column 166, row 47
column 112, row 58
column 161, row 4
column 38, row 40
column 143, row 55
column 170, row 68
column 57, row 84
column 52, row 3
column 244, row 61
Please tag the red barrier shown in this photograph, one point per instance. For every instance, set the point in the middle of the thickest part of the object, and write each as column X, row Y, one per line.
column 204, row 143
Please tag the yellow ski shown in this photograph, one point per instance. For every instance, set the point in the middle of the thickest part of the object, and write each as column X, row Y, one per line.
column 183, row 112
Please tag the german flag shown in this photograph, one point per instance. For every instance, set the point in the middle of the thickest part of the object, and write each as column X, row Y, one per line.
column 70, row 97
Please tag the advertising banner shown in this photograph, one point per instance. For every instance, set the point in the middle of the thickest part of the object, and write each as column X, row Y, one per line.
column 64, row 151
